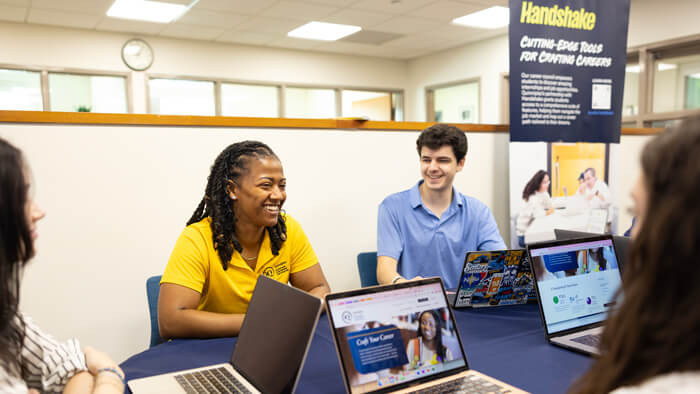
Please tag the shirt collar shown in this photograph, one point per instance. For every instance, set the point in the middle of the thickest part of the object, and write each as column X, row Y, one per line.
column 415, row 200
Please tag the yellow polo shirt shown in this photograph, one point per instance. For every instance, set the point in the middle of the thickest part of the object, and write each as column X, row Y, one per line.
column 195, row 264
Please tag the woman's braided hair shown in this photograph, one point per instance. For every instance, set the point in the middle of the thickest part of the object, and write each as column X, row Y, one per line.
column 228, row 167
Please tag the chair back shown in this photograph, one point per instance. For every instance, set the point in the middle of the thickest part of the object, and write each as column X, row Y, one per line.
column 152, row 292
column 367, row 266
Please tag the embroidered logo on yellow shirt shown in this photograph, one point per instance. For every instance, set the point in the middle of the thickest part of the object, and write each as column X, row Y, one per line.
column 269, row 272
column 281, row 268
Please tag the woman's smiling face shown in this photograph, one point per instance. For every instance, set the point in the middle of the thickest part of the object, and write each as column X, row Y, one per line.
column 260, row 193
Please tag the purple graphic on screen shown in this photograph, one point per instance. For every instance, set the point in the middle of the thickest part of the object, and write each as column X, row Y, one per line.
column 588, row 300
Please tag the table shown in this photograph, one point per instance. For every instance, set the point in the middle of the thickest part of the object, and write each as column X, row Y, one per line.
column 505, row 342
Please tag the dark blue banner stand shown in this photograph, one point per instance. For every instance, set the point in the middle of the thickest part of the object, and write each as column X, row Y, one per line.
column 567, row 69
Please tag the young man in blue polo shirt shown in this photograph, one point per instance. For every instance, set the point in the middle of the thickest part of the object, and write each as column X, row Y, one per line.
column 428, row 229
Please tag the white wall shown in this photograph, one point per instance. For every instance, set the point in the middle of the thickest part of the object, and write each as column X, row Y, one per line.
column 117, row 198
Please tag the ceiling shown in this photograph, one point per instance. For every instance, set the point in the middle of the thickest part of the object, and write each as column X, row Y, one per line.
column 398, row 29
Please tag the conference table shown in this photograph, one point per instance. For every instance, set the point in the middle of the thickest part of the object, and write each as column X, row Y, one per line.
column 505, row 342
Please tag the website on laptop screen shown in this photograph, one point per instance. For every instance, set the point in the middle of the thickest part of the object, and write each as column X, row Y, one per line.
column 577, row 283
column 395, row 336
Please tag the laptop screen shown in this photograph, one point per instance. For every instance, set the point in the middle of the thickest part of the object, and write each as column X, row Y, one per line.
column 577, row 282
column 395, row 336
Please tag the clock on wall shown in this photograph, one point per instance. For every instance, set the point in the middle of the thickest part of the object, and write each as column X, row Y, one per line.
column 137, row 54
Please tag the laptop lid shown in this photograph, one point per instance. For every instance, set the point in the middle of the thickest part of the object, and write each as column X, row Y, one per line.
column 621, row 243
column 275, row 336
column 576, row 282
column 382, row 345
column 491, row 278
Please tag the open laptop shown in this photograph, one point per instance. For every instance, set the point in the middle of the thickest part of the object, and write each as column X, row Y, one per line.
column 576, row 281
column 268, row 356
column 621, row 243
column 491, row 278
column 375, row 330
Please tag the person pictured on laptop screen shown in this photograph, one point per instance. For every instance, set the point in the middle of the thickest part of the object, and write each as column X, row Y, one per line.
column 650, row 343
column 537, row 203
column 427, row 348
column 427, row 229
column 237, row 233
column 31, row 360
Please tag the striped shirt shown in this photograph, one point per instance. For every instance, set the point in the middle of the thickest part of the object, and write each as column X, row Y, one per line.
column 48, row 363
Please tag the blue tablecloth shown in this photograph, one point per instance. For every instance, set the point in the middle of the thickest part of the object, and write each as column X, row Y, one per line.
column 507, row 343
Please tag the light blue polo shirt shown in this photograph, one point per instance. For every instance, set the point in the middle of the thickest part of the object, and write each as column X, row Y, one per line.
column 426, row 245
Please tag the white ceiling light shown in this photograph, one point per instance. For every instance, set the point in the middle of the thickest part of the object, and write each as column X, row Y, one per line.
column 666, row 66
column 323, row 31
column 490, row 18
column 144, row 10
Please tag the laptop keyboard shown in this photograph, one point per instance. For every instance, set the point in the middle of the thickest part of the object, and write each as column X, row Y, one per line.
column 468, row 384
column 214, row 380
column 592, row 340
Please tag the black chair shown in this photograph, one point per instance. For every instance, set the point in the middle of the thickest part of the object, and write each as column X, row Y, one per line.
column 367, row 266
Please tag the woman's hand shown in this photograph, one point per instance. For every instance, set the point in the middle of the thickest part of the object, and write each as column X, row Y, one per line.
column 97, row 360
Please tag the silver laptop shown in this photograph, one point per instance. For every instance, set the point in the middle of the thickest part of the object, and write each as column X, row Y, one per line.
column 402, row 338
column 576, row 281
column 269, row 354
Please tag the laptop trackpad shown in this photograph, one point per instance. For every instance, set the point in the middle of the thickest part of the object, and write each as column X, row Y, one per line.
column 587, row 340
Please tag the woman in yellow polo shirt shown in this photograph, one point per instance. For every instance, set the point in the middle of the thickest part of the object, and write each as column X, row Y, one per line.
column 237, row 233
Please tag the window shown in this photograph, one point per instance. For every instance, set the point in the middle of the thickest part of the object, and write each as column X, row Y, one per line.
column 309, row 103
column 249, row 100
column 672, row 77
column 457, row 103
column 181, row 97
column 666, row 82
column 20, row 90
column 630, row 96
column 87, row 93
column 371, row 105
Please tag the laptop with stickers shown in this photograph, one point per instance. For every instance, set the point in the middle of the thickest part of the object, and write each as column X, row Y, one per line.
column 492, row 278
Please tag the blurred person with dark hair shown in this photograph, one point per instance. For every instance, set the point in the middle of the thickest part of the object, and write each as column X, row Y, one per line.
column 32, row 361
column 427, row 230
column 650, row 343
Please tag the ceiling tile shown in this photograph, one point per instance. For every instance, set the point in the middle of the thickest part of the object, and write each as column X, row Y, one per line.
column 180, row 2
column 488, row 3
column 21, row 3
column 391, row 6
column 98, row 7
column 446, row 11
column 337, row 3
column 295, row 43
column 61, row 18
column 407, row 25
column 414, row 41
column 298, row 10
column 212, row 19
column 192, row 32
column 129, row 26
column 360, row 18
column 243, row 37
column 269, row 25
column 12, row 13
column 246, row 7
column 450, row 30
